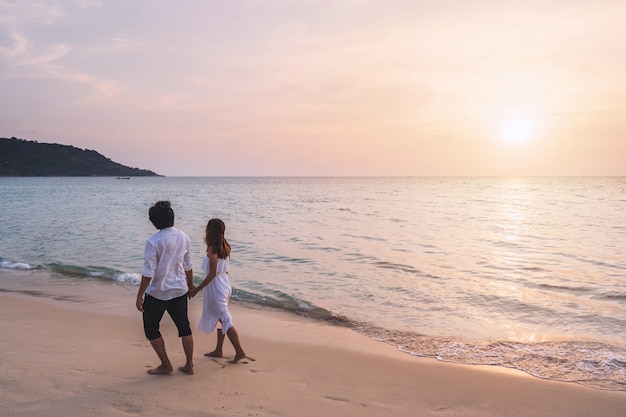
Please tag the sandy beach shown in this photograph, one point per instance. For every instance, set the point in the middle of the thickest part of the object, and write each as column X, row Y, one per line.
column 64, row 357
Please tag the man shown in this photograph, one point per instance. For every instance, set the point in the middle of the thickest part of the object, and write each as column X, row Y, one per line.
column 166, row 279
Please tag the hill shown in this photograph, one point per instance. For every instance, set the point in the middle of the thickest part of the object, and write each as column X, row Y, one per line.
column 23, row 158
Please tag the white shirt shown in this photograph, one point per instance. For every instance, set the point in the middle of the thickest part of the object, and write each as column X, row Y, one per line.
column 166, row 258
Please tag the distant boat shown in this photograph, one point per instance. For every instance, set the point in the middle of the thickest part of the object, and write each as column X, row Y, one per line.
column 123, row 178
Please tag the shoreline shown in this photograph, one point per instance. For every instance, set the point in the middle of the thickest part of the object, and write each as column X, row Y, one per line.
column 591, row 363
column 62, row 356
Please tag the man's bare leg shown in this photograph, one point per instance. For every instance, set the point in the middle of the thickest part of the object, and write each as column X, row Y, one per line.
column 217, row 353
column 166, row 367
column 188, row 348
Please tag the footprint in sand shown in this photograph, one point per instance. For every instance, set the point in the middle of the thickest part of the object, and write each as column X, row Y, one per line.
column 246, row 360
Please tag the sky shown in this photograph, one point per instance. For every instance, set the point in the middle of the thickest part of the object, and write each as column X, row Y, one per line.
column 322, row 87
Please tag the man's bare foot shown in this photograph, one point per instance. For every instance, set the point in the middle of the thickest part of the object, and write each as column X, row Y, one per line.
column 214, row 354
column 186, row 369
column 160, row 370
column 238, row 357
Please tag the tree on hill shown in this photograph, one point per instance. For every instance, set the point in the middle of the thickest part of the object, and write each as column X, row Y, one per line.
column 23, row 158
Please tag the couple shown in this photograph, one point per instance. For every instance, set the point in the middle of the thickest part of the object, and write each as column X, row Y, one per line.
column 167, row 283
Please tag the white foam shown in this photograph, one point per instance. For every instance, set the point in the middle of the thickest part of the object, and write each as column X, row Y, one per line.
column 16, row 265
column 130, row 279
column 304, row 306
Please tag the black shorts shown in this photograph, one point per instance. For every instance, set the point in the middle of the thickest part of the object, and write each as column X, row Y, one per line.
column 153, row 310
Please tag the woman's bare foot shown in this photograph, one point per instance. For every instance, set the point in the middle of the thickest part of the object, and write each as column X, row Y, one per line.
column 238, row 357
column 214, row 354
column 186, row 369
column 160, row 370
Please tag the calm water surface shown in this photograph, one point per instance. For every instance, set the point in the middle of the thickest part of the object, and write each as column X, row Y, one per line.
column 528, row 273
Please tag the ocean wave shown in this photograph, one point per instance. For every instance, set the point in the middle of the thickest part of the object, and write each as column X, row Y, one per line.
column 97, row 272
column 281, row 301
column 561, row 288
column 592, row 364
column 16, row 265
column 76, row 271
column 398, row 267
column 130, row 279
column 611, row 295
column 274, row 258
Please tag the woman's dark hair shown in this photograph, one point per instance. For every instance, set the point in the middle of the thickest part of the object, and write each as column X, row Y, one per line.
column 215, row 240
column 161, row 215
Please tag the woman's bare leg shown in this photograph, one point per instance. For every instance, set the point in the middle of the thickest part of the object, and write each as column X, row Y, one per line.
column 233, row 336
column 217, row 353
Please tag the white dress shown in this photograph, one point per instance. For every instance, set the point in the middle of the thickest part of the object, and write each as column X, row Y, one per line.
column 215, row 298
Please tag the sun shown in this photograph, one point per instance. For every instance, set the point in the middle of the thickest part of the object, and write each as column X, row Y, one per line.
column 516, row 130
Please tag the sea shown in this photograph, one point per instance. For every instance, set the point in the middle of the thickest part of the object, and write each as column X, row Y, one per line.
column 526, row 273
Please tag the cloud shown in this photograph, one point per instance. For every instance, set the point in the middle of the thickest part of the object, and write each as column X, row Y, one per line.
column 17, row 48
column 24, row 13
column 22, row 53
column 23, row 56
column 116, row 44
column 42, row 62
column 85, row 4
column 41, row 57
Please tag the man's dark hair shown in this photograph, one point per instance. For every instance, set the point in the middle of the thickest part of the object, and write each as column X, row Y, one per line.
column 161, row 215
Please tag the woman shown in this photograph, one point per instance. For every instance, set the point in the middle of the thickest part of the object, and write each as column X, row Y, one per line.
column 217, row 290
